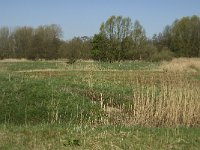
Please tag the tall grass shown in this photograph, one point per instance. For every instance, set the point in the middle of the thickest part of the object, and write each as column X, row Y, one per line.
column 182, row 65
column 149, row 99
column 93, row 105
column 95, row 94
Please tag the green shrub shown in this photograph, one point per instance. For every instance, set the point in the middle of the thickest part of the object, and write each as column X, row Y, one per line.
column 164, row 54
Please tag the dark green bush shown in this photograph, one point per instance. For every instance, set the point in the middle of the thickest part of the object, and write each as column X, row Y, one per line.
column 164, row 54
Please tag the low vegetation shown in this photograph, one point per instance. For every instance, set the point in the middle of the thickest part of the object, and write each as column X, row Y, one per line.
column 99, row 105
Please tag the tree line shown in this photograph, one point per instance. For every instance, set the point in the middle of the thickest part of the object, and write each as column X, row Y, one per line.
column 118, row 39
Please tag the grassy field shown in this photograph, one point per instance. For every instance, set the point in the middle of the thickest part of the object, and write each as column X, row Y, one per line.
column 93, row 105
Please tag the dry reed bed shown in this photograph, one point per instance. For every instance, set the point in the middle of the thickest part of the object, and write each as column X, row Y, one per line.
column 169, row 98
column 159, row 99
column 182, row 65
column 168, row 103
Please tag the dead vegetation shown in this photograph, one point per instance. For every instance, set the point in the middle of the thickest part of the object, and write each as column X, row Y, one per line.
column 190, row 65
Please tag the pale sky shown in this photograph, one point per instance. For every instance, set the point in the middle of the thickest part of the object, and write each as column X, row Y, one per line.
column 83, row 17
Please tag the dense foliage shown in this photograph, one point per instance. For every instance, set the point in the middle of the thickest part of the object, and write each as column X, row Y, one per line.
column 119, row 39
column 182, row 37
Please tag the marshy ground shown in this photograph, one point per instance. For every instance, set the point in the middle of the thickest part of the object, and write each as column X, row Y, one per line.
column 98, row 105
